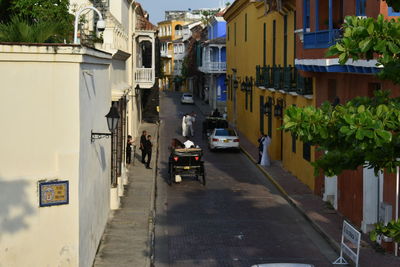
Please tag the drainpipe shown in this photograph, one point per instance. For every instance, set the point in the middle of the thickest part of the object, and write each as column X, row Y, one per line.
column 396, row 245
column 132, row 61
column 316, row 15
column 330, row 20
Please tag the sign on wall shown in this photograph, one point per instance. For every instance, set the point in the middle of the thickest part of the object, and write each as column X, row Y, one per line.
column 350, row 245
column 53, row 193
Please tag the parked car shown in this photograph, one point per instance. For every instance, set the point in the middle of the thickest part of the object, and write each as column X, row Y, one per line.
column 187, row 98
column 223, row 138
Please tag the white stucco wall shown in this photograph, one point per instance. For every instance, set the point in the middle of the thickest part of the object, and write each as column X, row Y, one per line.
column 95, row 159
column 43, row 139
column 119, row 9
column 119, row 78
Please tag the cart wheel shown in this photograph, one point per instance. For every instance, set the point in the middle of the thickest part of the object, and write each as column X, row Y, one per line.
column 203, row 180
column 203, row 175
column 171, row 177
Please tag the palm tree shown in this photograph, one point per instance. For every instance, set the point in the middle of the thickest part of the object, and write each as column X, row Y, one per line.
column 20, row 30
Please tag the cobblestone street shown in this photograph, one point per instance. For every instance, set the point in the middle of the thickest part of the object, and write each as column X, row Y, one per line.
column 237, row 219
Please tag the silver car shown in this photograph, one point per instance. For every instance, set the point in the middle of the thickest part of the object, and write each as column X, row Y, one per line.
column 223, row 138
column 187, row 98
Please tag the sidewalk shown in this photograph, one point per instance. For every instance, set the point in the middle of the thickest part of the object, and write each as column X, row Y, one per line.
column 326, row 221
column 128, row 237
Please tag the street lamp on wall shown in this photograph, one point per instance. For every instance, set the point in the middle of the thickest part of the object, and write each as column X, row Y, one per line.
column 226, row 82
column 112, row 122
column 235, row 84
column 243, row 86
column 249, row 86
column 280, row 105
column 137, row 89
column 268, row 106
column 100, row 25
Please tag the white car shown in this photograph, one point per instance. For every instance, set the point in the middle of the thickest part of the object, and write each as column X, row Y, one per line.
column 187, row 98
column 223, row 138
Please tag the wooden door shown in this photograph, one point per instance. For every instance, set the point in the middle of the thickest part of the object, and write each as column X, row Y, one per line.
column 350, row 198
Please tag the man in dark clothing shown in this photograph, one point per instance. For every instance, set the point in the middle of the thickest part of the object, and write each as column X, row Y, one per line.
column 260, row 147
column 129, row 150
column 216, row 113
column 147, row 150
column 142, row 143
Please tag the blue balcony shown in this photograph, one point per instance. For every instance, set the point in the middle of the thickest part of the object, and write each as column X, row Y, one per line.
column 321, row 39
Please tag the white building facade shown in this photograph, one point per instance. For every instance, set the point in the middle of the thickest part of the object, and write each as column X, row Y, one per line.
column 62, row 94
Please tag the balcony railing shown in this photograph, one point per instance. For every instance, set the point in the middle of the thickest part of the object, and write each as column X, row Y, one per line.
column 283, row 78
column 166, row 53
column 210, row 66
column 321, row 39
column 144, row 75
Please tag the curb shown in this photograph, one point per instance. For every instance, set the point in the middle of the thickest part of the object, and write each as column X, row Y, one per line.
column 332, row 242
column 153, row 202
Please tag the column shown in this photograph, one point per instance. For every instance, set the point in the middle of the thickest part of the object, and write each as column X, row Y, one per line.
column 153, row 59
column 220, row 58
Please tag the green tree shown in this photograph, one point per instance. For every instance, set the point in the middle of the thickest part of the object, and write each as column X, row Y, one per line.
column 364, row 131
column 5, row 12
column 40, row 11
column 206, row 16
column 365, row 37
column 19, row 30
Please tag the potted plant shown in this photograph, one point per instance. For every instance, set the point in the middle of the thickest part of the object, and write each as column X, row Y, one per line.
column 386, row 234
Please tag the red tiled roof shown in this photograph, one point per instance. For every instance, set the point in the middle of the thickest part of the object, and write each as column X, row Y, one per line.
column 142, row 22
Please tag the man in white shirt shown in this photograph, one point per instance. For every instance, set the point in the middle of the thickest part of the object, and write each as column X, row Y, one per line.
column 189, row 121
column 188, row 143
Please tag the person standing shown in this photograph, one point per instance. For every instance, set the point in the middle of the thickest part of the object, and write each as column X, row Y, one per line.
column 265, row 161
column 148, row 146
column 216, row 113
column 142, row 143
column 260, row 147
column 188, row 143
column 129, row 150
column 184, row 126
column 189, row 121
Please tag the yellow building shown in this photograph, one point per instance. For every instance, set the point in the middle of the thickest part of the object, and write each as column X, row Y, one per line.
column 169, row 31
column 262, row 80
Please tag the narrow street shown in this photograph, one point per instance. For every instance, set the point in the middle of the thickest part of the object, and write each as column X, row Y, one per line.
column 237, row 219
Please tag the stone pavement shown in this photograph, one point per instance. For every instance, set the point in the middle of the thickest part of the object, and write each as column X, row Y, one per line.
column 127, row 239
column 325, row 220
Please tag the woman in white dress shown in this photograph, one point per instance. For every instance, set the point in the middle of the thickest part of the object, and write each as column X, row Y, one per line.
column 184, row 126
column 265, row 161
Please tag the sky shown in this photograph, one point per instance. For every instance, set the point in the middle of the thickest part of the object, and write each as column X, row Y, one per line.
column 156, row 8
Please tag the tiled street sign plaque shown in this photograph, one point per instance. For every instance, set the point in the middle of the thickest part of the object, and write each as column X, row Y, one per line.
column 53, row 193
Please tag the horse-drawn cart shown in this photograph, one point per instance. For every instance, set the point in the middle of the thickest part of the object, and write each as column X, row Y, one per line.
column 186, row 162
column 210, row 123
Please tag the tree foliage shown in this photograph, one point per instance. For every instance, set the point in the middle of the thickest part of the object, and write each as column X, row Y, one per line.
column 5, row 12
column 206, row 16
column 364, row 131
column 32, row 12
column 365, row 37
column 19, row 30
